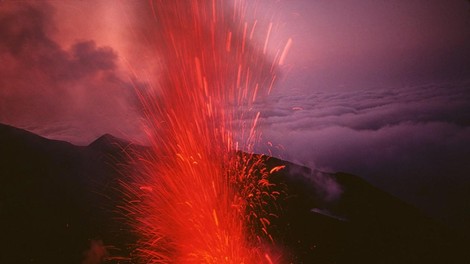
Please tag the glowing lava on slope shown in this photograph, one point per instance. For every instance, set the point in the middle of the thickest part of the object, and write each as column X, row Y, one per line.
column 196, row 198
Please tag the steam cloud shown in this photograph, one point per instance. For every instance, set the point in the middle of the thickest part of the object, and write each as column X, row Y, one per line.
column 72, row 94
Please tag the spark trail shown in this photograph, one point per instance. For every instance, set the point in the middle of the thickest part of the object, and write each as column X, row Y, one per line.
column 198, row 199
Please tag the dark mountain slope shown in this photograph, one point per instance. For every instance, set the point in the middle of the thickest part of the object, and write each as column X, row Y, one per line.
column 55, row 198
column 359, row 224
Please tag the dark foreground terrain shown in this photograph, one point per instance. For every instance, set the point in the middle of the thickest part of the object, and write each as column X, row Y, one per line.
column 59, row 204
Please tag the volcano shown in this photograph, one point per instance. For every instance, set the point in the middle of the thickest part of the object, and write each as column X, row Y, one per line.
column 59, row 203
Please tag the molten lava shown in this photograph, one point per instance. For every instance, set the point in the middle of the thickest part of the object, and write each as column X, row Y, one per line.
column 198, row 198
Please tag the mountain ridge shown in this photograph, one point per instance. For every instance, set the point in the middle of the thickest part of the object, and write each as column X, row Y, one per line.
column 67, row 195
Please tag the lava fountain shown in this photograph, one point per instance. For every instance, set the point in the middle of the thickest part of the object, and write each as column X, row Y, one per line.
column 196, row 197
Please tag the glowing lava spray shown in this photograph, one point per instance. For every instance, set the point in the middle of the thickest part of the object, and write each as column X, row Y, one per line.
column 200, row 200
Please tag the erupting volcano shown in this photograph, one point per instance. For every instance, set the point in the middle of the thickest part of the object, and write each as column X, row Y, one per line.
column 140, row 131
column 201, row 201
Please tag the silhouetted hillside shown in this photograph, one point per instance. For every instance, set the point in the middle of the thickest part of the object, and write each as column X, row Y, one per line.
column 54, row 198
column 58, row 199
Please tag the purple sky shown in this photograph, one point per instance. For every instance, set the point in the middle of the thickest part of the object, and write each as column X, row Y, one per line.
column 352, row 44
column 376, row 88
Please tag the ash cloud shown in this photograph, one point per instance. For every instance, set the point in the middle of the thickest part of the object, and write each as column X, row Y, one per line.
column 73, row 94
column 413, row 142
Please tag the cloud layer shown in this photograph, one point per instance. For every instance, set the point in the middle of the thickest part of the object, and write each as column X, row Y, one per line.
column 412, row 141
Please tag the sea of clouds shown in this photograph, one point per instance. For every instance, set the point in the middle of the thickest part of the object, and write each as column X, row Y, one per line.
column 413, row 142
